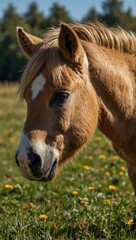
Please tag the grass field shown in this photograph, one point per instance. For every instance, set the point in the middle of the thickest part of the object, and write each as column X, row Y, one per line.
column 91, row 198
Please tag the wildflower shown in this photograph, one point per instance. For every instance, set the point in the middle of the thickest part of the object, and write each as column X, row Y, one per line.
column 127, row 192
column 74, row 193
column 90, row 157
column 107, row 173
column 112, row 187
column 102, row 147
column 123, row 168
column 43, row 217
column 114, row 203
column 9, row 187
column 30, row 204
column 102, row 156
column 130, row 221
column 121, row 173
column 115, row 157
column 113, row 171
column 86, row 167
column 107, row 201
column 82, row 201
column 91, row 187
column 102, row 169
column 97, row 138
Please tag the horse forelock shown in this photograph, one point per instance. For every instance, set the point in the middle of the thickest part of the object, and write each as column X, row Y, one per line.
column 48, row 55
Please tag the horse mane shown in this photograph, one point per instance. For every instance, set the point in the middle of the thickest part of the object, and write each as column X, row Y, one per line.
column 113, row 38
column 96, row 33
column 99, row 34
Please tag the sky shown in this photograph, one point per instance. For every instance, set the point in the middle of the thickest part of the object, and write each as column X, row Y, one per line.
column 77, row 8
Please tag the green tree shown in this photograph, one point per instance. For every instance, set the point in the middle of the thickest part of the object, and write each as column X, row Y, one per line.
column 34, row 18
column 91, row 15
column 57, row 13
column 11, row 57
column 114, row 14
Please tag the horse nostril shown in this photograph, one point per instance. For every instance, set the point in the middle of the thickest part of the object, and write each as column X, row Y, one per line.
column 35, row 159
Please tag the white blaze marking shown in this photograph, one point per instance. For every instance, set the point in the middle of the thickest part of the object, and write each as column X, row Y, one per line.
column 37, row 85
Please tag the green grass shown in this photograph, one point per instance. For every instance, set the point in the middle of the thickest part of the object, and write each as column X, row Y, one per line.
column 99, row 213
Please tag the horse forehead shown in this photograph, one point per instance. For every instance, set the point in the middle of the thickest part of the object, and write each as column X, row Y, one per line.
column 38, row 85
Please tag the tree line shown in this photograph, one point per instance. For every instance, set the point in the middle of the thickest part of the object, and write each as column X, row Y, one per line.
column 36, row 22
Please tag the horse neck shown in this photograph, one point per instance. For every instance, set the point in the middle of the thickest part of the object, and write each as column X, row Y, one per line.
column 112, row 75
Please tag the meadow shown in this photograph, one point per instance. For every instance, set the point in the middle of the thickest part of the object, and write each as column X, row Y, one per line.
column 91, row 198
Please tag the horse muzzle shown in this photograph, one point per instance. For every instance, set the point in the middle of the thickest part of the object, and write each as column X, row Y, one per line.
column 36, row 166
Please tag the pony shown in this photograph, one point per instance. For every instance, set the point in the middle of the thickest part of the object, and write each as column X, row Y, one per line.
column 79, row 77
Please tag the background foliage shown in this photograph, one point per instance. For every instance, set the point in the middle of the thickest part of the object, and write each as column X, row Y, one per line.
column 12, row 59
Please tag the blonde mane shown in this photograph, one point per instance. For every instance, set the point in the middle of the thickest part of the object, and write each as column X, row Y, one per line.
column 96, row 33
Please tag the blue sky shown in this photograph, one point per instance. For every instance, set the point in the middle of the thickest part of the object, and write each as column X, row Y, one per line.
column 77, row 8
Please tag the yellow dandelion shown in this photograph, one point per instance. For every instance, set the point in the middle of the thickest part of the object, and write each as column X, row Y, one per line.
column 114, row 203
column 116, row 157
column 102, row 169
column 86, row 167
column 123, row 168
column 90, row 157
column 102, row 147
column 91, row 187
column 107, row 201
column 9, row 187
column 107, row 173
column 113, row 171
column 43, row 217
column 121, row 173
column 30, row 204
column 97, row 139
column 112, row 187
column 75, row 193
column 82, row 201
column 127, row 192
column 102, row 156
column 130, row 221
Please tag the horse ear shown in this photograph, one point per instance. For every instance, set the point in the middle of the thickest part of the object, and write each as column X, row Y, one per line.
column 69, row 43
column 30, row 44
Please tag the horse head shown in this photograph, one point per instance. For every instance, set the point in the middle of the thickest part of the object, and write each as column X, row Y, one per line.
column 62, row 107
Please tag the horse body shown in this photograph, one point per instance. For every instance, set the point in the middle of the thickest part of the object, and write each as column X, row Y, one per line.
column 78, row 78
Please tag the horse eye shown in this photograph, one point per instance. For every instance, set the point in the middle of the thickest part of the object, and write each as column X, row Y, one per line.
column 59, row 98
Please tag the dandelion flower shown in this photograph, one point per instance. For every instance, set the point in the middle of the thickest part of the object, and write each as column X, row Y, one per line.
column 123, row 168
column 102, row 156
column 130, row 221
column 91, row 187
column 107, row 201
column 116, row 157
column 121, row 173
column 30, row 204
column 82, row 201
column 97, row 138
column 107, row 173
column 43, row 217
column 90, row 157
column 112, row 187
column 86, row 167
column 9, row 187
column 113, row 171
column 74, row 193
